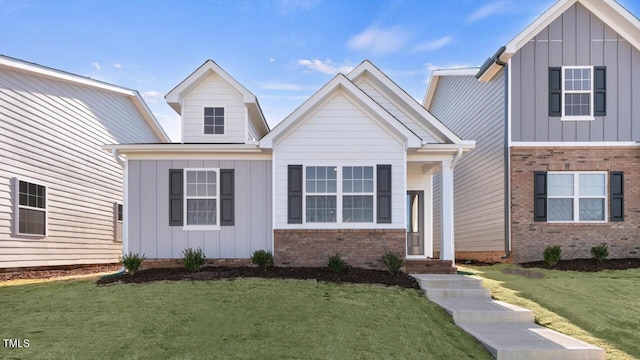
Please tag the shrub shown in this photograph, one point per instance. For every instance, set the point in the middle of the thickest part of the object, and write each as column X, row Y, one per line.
column 193, row 260
column 552, row 254
column 393, row 262
column 262, row 258
column 132, row 262
column 599, row 252
column 335, row 263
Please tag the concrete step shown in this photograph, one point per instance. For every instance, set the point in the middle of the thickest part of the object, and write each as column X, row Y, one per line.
column 518, row 341
column 457, row 293
column 484, row 311
column 447, row 281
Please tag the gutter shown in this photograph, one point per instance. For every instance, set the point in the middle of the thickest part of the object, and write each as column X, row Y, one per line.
column 495, row 59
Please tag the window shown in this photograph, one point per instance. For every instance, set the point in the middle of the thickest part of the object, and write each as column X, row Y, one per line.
column 31, row 208
column 214, row 120
column 577, row 92
column 201, row 197
column 321, row 181
column 357, row 180
column 577, row 197
column 119, row 221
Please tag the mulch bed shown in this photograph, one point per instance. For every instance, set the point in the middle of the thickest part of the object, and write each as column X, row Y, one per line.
column 587, row 265
column 351, row 275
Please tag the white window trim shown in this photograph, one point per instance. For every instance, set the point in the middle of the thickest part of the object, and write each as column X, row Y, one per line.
column 17, row 206
column 590, row 92
column 186, row 197
column 576, row 198
column 119, row 222
column 339, row 197
column 224, row 133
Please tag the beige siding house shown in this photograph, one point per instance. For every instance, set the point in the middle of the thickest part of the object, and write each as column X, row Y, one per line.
column 60, row 194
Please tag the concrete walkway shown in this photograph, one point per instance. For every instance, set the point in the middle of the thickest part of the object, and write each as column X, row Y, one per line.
column 507, row 331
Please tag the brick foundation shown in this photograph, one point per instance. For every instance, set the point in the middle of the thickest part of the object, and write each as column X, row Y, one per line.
column 484, row 256
column 361, row 248
column 530, row 238
column 177, row 263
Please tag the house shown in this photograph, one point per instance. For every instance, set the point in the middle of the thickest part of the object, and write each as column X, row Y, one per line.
column 556, row 116
column 60, row 194
column 349, row 172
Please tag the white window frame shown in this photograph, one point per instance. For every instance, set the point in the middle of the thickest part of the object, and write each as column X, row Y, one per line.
column 589, row 117
column 576, row 197
column 186, row 197
column 224, row 128
column 372, row 193
column 339, row 223
column 17, row 207
column 119, row 223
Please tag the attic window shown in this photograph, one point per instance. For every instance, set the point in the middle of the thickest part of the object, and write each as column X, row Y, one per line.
column 214, row 120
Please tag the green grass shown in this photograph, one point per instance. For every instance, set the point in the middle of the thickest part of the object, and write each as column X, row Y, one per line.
column 601, row 308
column 241, row 319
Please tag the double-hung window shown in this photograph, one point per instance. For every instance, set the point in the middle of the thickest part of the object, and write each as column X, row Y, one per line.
column 119, row 222
column 214, row 120
column 321, row 198
column 357, row 182
column 202, row 204
column 577, row 89
column 577, row 197
column 31, row 208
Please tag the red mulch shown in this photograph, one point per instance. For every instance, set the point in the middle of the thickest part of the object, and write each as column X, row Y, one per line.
column 587, row 265
column 48, row 273
column 351, row 275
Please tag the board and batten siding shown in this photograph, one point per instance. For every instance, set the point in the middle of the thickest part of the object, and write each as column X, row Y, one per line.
column 214, row 92
column 149, row 230
column 51, row 132
column 577, row 38
column 474, row 110
column 392, row 108
column 339, row 133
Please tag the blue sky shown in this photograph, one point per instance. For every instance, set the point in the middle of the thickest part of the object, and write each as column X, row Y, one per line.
column 281, row 50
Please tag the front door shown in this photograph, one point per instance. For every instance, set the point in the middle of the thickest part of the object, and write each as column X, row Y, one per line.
column 415, row 223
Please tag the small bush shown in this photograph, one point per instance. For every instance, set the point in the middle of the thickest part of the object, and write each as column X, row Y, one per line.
column 600, row 252
column 552, row 254
column 263, row 258
column 393, row 262
column 132, row 262
column 193, row 260
column 335, row 263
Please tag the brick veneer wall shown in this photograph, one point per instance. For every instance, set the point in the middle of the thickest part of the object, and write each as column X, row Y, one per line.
column 361, row 248
column 530, row 238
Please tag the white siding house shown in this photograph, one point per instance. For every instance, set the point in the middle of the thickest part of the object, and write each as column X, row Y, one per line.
column 59, row 192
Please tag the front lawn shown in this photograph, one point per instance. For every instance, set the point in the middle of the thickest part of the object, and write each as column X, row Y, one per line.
column 598, row 307
column 239, row 319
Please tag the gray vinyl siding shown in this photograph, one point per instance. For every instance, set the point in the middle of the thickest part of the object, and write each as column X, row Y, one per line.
column 574, row 39
column 149, row 230
column 474, row 110
column 51, row 132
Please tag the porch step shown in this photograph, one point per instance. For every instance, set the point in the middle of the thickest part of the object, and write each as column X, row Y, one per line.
column 431, row 266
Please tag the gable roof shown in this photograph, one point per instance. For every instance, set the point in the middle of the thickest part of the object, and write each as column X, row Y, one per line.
column 609, row 11
column 435, row 79
column 175, row 97
column 59, row 75
column 341, row 82
column 423, row 118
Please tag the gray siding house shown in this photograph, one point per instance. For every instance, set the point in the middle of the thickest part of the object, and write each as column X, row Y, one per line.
column 349, row 171
column 562, row 100
column 60, row 194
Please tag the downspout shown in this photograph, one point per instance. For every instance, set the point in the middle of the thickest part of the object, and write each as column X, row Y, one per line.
column 507, row 166
column 456, row 158
column 114, row 152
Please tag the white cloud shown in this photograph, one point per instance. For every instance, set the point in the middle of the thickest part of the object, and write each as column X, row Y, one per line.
column 152, row 97
column 379, row 41
column 434, row 44
column 117, row 65
column 492, row 8
column 292, row 6
column 96, row 65
column 170, row 123
column 326, row 67
column 271, row 59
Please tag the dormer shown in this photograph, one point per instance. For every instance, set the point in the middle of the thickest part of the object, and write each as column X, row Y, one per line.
column 215, row 108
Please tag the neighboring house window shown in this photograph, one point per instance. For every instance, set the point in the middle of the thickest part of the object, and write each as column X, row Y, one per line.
column 577, row 92
column 357, row 180
column 119, row 221
column 201, row 206
column 321, row 182
column 214, row 120
column 31, row 209
column 576, row 197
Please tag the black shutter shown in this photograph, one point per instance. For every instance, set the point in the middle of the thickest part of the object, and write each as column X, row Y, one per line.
column 617, row 196
column 600, row 91
column 294, row 197
column 175, row 197
column 227, row 188
column 540, row 196
column 555, row 91
column 383, row 194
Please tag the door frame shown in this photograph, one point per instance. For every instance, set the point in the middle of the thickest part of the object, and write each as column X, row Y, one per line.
column 427, row 222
